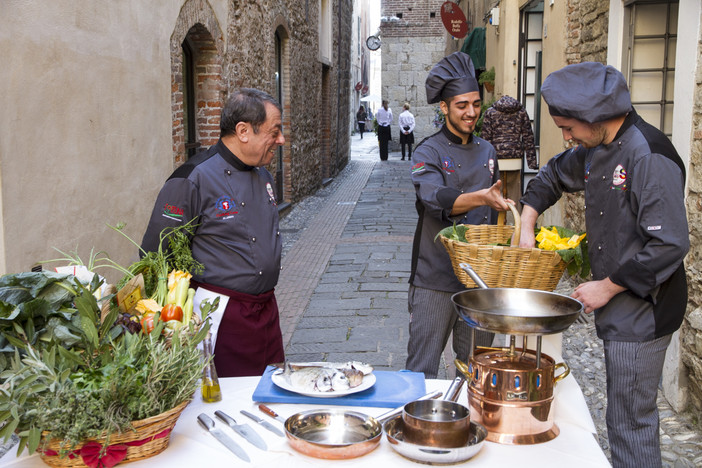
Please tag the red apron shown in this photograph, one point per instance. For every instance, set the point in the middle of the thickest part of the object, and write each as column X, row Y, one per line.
column 249, row 336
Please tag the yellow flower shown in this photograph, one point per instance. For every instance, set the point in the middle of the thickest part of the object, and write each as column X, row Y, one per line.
column 175, row 276
column 550, row 240
column 147, row 305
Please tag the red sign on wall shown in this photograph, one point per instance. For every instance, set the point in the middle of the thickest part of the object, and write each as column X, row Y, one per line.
column 454, row 20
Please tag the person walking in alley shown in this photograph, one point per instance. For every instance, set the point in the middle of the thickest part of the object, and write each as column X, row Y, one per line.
column 361, row 117
column 384, row 118
column 229, row 193
column 456, row 180
column 633, row 178
column 406, row 123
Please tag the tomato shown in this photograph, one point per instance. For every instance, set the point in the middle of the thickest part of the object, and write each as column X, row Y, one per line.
column 171, row 312
column 147, row 323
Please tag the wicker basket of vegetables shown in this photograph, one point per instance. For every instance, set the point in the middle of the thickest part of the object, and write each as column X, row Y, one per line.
column 84, row 383
column 488, row 250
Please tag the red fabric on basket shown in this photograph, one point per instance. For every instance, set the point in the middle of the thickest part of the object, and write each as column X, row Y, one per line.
column 90, row 452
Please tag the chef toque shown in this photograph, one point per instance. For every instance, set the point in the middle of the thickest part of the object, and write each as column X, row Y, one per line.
column 452, row 76
column 588, row 91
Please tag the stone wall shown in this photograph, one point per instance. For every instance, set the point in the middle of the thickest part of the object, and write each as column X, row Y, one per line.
column 318, row 139
column 586, row 42
column 691, row 330
column 413, row 40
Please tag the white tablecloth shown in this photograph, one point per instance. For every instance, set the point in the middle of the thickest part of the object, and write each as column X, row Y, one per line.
column 575, row 446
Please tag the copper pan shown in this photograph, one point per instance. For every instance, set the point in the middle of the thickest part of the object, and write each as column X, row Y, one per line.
column 337, row 434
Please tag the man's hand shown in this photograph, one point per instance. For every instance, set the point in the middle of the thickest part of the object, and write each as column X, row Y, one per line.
column 596, row 294
column 491, row 197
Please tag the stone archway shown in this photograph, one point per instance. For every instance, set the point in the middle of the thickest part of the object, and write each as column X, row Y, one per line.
column 197, row 86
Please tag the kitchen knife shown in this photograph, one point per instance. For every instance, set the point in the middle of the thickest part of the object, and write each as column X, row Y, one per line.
column 244, row 430
column 271, row 413
column 207, row 422
column 263, row 423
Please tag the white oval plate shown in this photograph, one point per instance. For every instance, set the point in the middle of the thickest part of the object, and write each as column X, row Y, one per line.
column 279, row 380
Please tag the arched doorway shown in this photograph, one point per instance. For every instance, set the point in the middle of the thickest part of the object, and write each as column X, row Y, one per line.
column 197, row 89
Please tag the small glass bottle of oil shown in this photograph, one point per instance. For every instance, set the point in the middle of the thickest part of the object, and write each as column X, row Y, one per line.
column 210, row 384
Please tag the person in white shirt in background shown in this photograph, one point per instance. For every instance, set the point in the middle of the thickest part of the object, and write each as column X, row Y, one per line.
column 384, row 118
column 406, row 122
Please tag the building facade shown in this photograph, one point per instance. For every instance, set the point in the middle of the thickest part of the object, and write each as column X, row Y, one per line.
column 103, row 102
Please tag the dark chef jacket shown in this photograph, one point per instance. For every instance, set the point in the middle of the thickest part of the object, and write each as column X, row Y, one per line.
column 445, row 168
column 636, row 225
column 237, row 239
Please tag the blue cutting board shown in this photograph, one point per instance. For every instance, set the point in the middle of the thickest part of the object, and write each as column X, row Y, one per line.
column 391, row 389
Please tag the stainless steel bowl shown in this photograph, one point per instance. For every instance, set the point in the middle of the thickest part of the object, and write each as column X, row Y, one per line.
column 434, row 455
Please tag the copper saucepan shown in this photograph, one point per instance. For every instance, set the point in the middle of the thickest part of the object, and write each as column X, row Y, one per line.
column 437, row 447
column 337, row 434
column 437, row 423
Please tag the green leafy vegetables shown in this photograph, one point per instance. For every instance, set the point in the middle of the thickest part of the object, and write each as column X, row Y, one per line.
column 73, row 377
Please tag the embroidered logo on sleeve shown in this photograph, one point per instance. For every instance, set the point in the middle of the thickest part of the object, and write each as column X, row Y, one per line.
column 491, row 166
column 448, row 165
column 619, row 178
column 417, row 168
column 173, row 212
column 654, row 228
column 225, row 207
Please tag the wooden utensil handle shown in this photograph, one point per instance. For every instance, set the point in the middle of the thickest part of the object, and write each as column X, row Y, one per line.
column 268, row 411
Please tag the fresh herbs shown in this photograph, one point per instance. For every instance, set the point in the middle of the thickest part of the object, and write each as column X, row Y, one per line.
column 74, row 377
column 155, row 266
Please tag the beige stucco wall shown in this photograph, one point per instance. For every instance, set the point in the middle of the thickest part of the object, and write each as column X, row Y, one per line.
column 86, row 99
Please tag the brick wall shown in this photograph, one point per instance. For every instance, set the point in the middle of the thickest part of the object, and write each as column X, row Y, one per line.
column 414, row 19
column 198, row 23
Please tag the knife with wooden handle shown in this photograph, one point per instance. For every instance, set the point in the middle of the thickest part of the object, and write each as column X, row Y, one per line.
column 271, row 413
column 263, row 423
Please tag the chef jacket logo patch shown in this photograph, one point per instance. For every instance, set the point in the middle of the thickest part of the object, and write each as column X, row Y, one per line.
column 417, row 168
column 619, row 178
column 448, row 165
column 491, row 166
column 226, row 208
column 173, row 212
column 271, row 196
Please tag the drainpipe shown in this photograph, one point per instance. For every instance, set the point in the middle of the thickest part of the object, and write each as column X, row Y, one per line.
column 338, row 77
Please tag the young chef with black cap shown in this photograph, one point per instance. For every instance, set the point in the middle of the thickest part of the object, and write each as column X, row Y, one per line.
column 634, row 184
column 456, row 179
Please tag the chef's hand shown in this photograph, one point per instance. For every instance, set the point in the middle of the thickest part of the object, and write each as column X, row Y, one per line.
column 527, row 239
column 596, row 294
column 493, row 198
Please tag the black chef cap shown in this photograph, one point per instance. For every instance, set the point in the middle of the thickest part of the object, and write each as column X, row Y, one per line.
column 588, row 91
column 452, row 76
